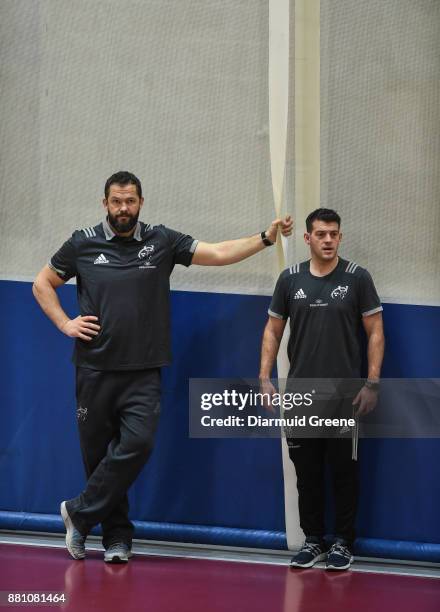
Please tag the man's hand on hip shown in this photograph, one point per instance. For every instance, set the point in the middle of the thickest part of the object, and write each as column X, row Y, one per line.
column 82, row 327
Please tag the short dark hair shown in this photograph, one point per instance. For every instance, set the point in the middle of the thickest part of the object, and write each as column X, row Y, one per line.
column 322, row 214
column 122, row 178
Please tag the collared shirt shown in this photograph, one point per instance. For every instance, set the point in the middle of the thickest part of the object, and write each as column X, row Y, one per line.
column 125, row 283
column 325, row 313
column 109, row 233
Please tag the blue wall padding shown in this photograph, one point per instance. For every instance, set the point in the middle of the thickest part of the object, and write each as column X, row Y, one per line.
column 412, row 346
column 200, row 534
column 228, row 483
column 400, row 490
column 393, row 549
column 235, row 484
column 166, row 532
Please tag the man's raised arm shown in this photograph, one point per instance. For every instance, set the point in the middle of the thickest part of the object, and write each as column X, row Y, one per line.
column 232, row 251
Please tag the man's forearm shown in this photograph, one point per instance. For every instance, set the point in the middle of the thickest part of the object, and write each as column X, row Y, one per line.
column 227, row 252
column 48, row 300
column 376, row 346
column 269, row 352
column 233, row 251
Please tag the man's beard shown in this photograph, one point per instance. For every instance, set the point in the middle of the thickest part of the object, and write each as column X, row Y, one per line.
column 123, row 226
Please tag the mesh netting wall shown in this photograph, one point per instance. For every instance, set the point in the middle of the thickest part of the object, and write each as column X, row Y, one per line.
column 177, row 92
column 173, row 91
column 380, row 139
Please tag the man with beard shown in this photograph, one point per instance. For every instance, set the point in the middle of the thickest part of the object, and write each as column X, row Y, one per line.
column 326, row 298
column 122, row 267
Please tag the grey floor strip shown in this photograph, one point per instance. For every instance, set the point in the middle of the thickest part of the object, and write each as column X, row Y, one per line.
column 224, row 553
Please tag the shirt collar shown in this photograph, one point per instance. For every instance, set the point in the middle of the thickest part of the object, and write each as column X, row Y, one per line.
column 109, row 233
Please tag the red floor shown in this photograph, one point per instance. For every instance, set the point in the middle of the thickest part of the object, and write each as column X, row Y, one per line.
column 164, row 584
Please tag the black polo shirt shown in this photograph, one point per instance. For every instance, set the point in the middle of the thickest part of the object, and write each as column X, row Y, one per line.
column 325, row 314
column 125, row 283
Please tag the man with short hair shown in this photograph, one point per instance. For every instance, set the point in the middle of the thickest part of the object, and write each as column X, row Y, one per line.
column 122, row 333
column 325, row 298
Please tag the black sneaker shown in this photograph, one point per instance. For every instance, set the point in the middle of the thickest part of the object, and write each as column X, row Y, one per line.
column 339, row 557
column 312, row 551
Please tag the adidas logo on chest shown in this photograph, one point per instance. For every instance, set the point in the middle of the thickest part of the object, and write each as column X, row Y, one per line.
column 101, row 259
column 300, row 295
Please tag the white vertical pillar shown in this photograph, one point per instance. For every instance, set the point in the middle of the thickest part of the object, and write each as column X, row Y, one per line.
column 307, row 182
column 278, row 107
column 307, row 116
column 279, row 47
column 307, row 162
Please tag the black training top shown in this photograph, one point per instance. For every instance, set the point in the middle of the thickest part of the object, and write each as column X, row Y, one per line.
column 325, row 314
column 125, row 283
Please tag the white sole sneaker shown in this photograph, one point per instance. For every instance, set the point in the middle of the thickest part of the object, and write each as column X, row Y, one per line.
column 335, row 568
column 311, row 563
column 70, row 528
column 116, row 557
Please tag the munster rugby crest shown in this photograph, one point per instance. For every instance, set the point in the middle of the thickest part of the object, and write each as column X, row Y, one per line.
column 340, row 292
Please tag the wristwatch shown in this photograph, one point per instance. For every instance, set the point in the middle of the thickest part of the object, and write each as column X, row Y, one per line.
column 374, row 385
column 265, row 240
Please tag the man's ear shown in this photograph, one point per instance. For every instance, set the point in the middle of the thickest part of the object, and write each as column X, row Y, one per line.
column 307, row 237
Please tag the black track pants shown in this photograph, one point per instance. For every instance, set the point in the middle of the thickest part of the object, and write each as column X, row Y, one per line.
column 117, row 412
column 309, row 457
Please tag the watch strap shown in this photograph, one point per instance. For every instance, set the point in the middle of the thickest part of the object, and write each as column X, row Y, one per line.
column 266, row 240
